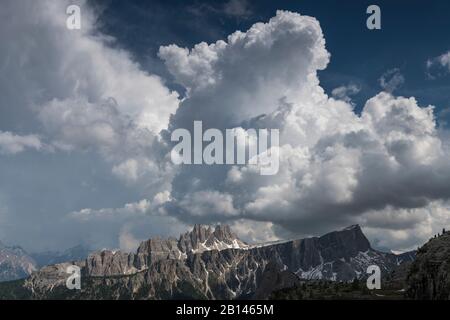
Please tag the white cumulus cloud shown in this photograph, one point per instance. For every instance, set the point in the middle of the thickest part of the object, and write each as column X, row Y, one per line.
column 336, row 166
column 87, row 95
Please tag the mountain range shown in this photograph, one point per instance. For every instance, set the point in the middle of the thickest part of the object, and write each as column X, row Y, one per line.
column 211, row 263
column 16, row 263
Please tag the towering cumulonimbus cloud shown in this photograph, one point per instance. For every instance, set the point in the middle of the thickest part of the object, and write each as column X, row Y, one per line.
column 245, row 76
column 337, row 167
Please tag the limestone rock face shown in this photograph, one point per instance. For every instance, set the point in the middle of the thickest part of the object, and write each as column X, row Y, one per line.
column 157, row 249
column 200, row 239
column 108, row 263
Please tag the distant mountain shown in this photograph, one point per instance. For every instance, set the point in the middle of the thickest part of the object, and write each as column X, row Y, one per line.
column 15, row 263
column 208, row 263
column 46, row 258
column 200, row 239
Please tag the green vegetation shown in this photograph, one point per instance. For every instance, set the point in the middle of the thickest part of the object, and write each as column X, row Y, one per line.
column 329, row 290
column 14, row 290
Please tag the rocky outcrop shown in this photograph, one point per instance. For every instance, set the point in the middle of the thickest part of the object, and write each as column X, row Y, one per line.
column 157, row 249
column 203, row 238
column 198, row 240
column 42, row 283
column 338, row 256
column 429, row 274
column 109, row 263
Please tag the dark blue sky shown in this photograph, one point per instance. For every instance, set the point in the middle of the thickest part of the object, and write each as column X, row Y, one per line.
column 412, row 32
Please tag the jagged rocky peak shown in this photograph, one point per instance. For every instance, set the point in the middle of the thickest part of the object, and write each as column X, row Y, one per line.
column 192, row 240
column 204, row 238
column 223, row 233
column 201, row 238
column 351, row 238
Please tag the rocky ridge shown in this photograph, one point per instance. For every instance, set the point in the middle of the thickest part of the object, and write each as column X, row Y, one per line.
column 214, row 264
column 429, row 274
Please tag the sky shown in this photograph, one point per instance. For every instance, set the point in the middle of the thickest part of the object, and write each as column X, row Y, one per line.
column 86, row 116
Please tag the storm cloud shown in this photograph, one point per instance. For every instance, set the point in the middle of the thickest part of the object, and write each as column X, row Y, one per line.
column 385, row 167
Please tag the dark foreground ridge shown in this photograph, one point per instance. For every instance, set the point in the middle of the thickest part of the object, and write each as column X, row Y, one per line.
column 429, row 275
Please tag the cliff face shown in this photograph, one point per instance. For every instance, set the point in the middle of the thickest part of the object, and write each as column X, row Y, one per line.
column 429, row 275
column 214, row 264
column 200, row 239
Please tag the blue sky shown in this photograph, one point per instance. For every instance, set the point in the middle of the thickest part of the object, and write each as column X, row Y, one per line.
column 412, row 32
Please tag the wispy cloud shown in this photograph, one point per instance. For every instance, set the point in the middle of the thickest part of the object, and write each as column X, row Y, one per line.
column 438, row 66
column 391, row 80
column 346, row 92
